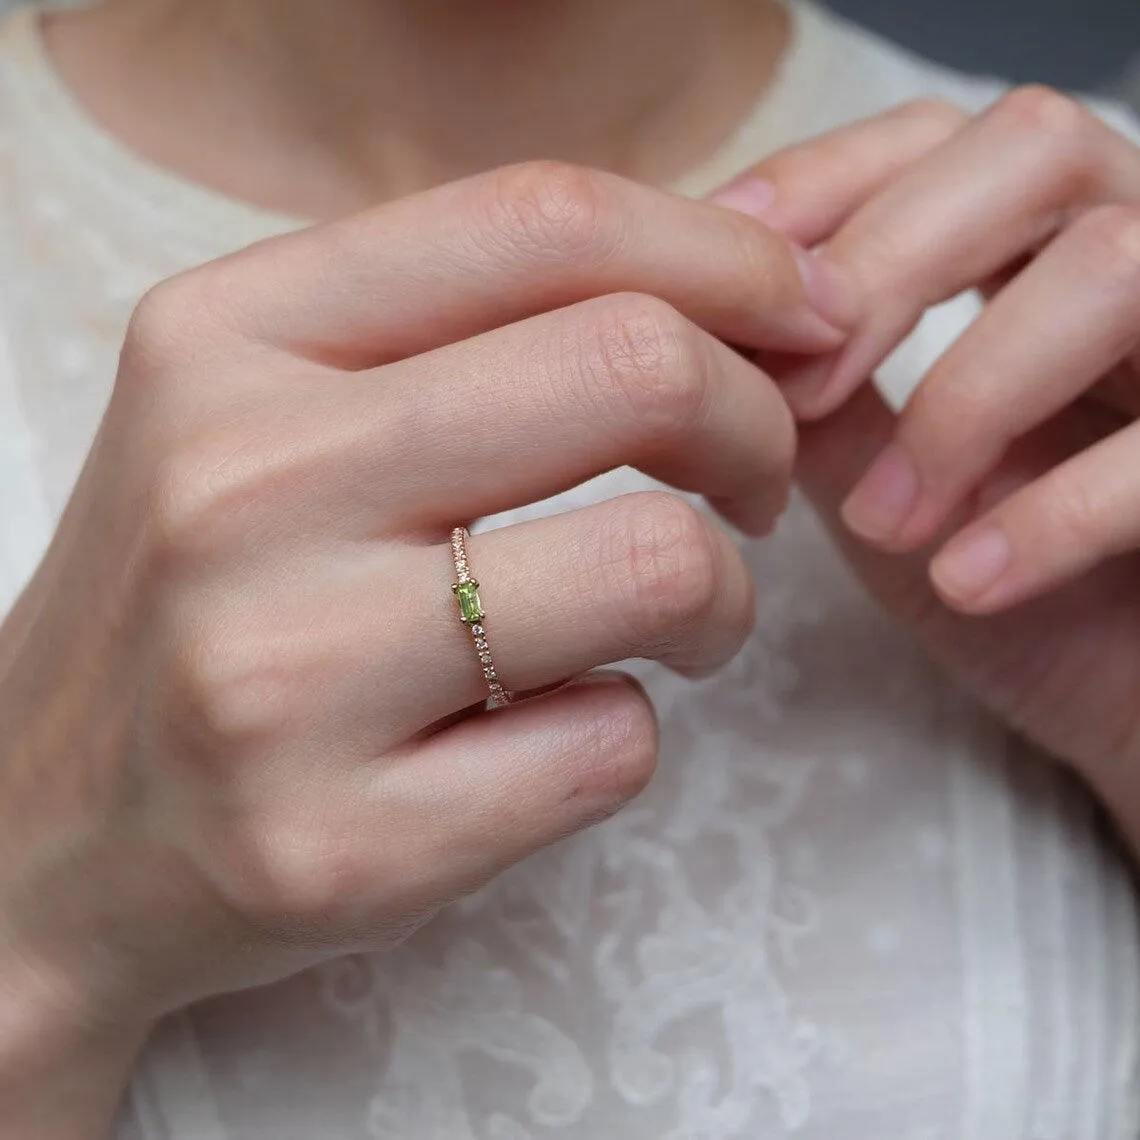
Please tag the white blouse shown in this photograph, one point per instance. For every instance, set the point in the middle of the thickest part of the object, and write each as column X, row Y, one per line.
column 849, row 907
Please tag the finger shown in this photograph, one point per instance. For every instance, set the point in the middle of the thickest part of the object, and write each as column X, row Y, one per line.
column 525, row 411
column 497, row 787
column 1074, row 517
column 998, row 188
column 1070, row 318
column 837, row 449
column 808, row 190
column 642, row 576
column 473, row 255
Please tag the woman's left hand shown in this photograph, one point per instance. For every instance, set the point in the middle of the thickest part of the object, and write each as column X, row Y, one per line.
column 999, row 513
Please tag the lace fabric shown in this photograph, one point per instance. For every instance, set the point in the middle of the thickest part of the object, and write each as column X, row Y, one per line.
column 849, row 905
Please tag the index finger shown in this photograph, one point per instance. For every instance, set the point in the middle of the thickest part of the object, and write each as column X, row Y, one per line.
column 470, row 256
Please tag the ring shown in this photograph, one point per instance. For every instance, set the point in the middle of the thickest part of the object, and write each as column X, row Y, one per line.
column 466, row 591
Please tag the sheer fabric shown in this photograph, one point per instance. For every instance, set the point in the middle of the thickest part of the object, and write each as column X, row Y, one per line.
column 849, row 905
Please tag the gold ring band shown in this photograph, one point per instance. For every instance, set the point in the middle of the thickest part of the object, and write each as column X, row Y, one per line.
column 466, row 591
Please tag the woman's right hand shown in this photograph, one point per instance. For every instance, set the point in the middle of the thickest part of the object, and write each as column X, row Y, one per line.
column 231, row 745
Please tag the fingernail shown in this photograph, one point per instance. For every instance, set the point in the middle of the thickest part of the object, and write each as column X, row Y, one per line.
column 751, row 196
column 828, row 290
column 971, row 563
column 884, row 497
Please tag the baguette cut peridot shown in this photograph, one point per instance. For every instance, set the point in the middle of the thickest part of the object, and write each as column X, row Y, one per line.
column 467, row 595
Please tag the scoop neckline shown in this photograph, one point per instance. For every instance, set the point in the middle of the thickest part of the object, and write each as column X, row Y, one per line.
column 194, row 207
column 77, row 137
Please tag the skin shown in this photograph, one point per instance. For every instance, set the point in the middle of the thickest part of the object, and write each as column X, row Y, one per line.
column 270, row 455
column 319, row 108
column 242, row 720
column 999, row 513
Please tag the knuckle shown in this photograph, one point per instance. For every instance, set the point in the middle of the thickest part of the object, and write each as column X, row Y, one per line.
column 942, row 116
column 1073, row 511
column 182, row 319
column 651, row 360
column 664, row 562
column 295, row 872
column 1044, row 109
column 886, row 267
column 551, row 212
column 159, row 323
column 233, row 690
column 182, row 506
column 207, row 492
column 188, row 504
column 773, row 280
column 1067, row 127
column 947, row 409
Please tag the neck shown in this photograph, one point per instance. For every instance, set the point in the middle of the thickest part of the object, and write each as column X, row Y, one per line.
column 345, row 102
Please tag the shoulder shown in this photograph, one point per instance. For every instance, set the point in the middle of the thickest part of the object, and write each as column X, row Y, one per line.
column 871, row 74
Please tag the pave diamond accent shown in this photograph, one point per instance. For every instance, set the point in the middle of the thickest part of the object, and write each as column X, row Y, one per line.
column 471, row 613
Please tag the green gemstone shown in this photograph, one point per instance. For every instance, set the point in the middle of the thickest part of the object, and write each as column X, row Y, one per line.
column 467, row 595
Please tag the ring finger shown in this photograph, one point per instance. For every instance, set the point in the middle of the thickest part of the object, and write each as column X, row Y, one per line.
column 524, row 412
column 521, row 413
column 645, row 575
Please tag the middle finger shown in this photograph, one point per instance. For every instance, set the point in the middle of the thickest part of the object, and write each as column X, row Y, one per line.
column 521, row 413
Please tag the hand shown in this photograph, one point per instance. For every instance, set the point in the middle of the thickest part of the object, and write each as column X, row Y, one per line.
column 242, row 726
column 1017, row 461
